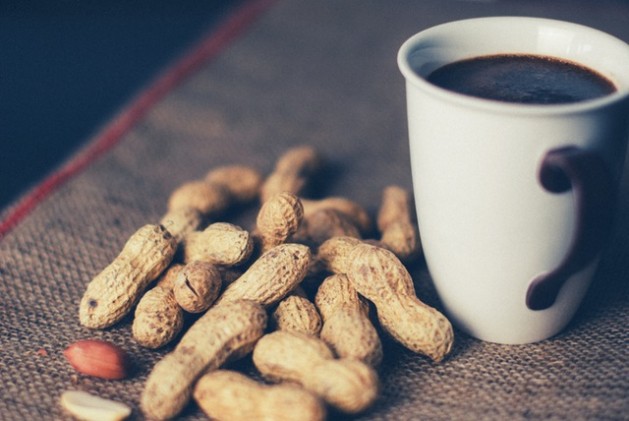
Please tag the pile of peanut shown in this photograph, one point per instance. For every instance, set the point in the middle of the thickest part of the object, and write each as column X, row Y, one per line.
column 294, row 292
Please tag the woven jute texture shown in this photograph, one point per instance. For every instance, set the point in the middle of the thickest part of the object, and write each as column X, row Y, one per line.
column 320, row 73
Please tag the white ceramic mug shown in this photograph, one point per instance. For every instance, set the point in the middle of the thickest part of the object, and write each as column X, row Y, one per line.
column 514, row 201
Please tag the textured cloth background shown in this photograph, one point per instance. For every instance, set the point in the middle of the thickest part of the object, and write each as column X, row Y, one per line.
column 321, row 73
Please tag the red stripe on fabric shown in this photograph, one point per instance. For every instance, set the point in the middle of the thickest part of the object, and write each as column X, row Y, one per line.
column 209, row 46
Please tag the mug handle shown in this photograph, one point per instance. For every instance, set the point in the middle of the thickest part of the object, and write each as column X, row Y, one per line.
column 586, row 173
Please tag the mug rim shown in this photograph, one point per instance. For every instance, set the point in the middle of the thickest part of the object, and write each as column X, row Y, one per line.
column 411, row 44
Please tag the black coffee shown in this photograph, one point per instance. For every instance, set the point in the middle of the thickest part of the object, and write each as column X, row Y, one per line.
column 525, row 79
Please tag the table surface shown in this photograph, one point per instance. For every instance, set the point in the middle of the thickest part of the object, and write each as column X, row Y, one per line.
column 270, row 76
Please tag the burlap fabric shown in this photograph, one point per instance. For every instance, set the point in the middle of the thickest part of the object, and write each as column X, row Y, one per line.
column 321, row 73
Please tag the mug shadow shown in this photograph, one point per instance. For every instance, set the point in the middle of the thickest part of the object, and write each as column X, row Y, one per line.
column 427, row 293
column 609, row 289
